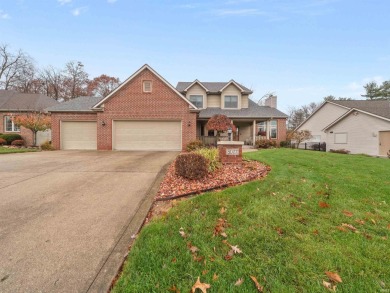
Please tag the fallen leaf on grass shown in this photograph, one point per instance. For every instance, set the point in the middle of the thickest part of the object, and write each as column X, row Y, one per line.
column 201, row 286
column 215, row 277
column 349, row 226
column 223, row 234
column 361, row 222
column 194, row 249
column 182, row 233
column 369, row 237
column 258, row 286
column 220, row 227
column 341, row 229
column 174, row 289
column 174, row 260
column 388, row 226
column 347, row 213
column 315, row 232
column 334, row 277
column 222, row 210
column 239, row 282
column 204, row 272
column 280, row 231
column 323, row 205
column 329, row 286
column 228, row 257
column 235, row 249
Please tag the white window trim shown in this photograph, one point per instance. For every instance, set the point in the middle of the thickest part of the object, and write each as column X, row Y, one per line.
column 273, row 127
column 224, row 101
column 189, row 98
column 13, row 125
column 144, row 86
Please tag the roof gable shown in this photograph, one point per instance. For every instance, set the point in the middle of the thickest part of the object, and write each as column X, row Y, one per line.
column 145, row 67
column 234, row 83
column 211, row 87
column 196, row 82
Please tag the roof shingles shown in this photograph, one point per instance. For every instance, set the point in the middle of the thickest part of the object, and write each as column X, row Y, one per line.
column 15, row 101
column 377, row 107
column 80, row 104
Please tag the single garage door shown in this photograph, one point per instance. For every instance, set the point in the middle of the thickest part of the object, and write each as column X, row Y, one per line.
column 78, row 135
column 147, row 135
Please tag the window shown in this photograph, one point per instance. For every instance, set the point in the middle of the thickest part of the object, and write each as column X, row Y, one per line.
column 262, row 128
column 231, row 102
column 147, row 86
column 341, row 137
column 273, row 129
column 197, row 100
column 9, row 125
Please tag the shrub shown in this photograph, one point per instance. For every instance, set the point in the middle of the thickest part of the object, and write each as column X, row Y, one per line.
column 265, row 143
column 2, row 141
column 340, row 151
column 194, row 145
column 319, row 146
column 9, row 138
column 17, row 142
column 285, row 144
column 191, row 166
column 212, row 157
column 47, row 146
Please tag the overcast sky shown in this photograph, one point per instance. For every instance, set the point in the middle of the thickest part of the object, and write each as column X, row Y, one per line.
column 302, row 50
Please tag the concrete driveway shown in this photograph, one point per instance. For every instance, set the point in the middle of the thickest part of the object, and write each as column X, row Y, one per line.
column 67, row 217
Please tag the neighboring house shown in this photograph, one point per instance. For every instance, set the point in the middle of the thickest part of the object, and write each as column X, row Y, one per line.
column 232, row 99
column 360, row 126
column 13, row 103
column 147, row 113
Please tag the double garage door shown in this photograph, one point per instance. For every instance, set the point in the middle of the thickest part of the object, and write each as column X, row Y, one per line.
column 126, row 135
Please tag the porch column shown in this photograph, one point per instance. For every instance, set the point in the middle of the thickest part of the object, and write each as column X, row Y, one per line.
column 254, row 132
column 267, row 129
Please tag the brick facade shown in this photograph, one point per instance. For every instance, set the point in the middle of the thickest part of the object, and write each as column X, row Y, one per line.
column 282, row 130
column 230, row 158
column 26, row 134
column 131, row 103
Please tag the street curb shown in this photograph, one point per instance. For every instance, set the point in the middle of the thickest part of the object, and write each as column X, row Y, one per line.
column 106, row 276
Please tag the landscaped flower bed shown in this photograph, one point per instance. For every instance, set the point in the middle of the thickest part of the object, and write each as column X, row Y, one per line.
column 228, row 175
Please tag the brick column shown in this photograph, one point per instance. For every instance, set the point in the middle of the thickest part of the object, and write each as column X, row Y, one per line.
column 230, row 152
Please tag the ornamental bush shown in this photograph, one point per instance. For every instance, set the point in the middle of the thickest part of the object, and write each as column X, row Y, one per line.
column 212, row 156
column 18, row 142
column 191, row 166
column 47, row 146
column 9, row 138
column 340, row 151
column 194, row 145
column 2, row 141
column 265, row 143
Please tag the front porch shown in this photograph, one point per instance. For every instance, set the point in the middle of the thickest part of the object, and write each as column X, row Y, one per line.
column 248, row 131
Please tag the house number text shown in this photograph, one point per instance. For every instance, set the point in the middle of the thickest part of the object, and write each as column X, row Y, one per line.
column 232, row 152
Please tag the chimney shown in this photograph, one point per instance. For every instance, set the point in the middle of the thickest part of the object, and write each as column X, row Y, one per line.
column 271, row 101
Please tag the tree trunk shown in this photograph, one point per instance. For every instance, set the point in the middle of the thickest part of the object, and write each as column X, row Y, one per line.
column 35, row 138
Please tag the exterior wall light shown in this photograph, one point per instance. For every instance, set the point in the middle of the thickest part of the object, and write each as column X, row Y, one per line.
column 103, row 123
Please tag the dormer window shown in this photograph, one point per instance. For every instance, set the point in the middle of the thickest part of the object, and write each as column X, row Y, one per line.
column 197, row 100
column 147, row 86
column 231, row 102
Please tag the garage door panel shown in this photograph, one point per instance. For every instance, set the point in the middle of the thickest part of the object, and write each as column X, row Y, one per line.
column 79, row 135
column 147, row 135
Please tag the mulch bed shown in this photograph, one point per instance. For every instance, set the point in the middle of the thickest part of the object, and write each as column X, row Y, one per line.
column 174, row 186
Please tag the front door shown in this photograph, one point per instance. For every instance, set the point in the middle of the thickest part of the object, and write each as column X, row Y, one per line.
column 384, row 143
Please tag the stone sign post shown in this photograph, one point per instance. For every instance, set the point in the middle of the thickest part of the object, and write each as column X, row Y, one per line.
column 230, row 152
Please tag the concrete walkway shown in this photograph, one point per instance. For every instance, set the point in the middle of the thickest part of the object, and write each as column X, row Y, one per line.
column 67, row 217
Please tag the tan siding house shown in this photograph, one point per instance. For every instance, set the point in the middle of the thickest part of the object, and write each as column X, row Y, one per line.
column 359, row 126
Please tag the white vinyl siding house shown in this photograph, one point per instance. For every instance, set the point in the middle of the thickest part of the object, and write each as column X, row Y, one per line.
column 358, row 133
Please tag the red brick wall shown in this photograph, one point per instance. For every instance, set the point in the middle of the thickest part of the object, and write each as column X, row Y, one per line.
column 56, row 119
column 26, row 134
column 131, row 103
column 282, row 130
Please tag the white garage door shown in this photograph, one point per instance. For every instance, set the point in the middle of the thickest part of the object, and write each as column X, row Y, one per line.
column 147, row 135
column 78, row 135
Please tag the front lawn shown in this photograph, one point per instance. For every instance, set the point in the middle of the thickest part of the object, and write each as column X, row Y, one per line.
column 15, row 150
column 314, row 212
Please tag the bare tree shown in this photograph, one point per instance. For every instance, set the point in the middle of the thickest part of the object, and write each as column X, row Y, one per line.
column 13, row 66
column 76, row 80
column 52, row 80
column 101, row 86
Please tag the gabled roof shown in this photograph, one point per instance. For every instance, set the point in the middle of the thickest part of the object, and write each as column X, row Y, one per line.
column 146, row 66
column 353, row 110
column 212, row 87
column 254, row 111
column 80, row 104
column 377, row 107
column 14, row 101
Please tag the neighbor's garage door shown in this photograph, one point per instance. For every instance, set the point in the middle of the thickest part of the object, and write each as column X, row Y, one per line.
column 147, row 135
column 78, row 135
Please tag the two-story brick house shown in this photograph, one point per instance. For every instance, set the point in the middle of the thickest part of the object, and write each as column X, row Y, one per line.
column 147, row 113
column 232, row 99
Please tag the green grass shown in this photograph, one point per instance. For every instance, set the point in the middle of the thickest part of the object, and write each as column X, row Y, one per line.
column 288, row 199
column 16, row 150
